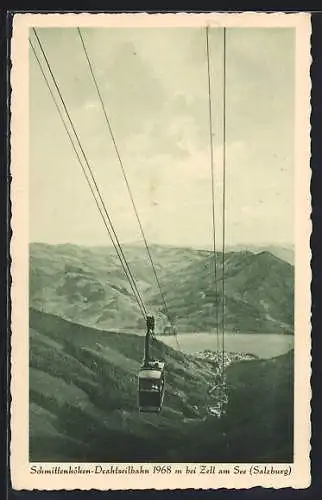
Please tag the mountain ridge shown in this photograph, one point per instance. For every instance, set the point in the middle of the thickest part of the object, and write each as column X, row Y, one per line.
column 87, row 285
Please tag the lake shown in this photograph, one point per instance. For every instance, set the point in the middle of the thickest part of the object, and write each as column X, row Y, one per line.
column 263, row 345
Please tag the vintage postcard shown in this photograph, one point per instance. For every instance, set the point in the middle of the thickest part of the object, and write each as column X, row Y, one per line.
column 160, row 252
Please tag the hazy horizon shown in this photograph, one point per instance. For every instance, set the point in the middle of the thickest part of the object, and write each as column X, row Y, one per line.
column 154, row 85
column 284, row 245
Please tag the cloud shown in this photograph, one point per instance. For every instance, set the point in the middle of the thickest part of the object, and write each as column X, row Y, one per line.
column 91, row 105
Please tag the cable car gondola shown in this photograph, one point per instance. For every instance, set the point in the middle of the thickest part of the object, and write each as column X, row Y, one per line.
column 151, row 379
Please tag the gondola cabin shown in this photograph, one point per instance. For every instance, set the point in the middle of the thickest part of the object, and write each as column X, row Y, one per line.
column 151, row 387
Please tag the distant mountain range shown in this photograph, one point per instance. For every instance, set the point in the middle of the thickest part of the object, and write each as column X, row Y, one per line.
column 83, row 402
column 284, row 252
column 87, row 285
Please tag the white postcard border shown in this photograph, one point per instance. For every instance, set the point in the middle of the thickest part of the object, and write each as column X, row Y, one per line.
column 22, row 475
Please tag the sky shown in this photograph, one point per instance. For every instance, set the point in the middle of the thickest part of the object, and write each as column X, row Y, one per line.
column 154, row 85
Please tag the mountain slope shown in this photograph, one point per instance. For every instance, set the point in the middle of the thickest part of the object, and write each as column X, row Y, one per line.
column 83, row 401
column 83, row 385
column 88, row 285
column 284, row 252
column 261, row 402
column 258, row 426
column 258, row 294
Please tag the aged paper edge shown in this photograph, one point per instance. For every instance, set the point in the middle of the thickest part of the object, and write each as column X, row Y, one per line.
column 21, row 476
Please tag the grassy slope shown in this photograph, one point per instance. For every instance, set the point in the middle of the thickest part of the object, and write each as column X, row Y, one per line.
column 83, row 402
column 258, row 426
column 86, row 380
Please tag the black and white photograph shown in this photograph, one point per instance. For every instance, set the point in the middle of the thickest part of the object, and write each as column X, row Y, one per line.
column 165, row 235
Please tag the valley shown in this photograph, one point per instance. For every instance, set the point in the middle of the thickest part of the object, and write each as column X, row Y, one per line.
column 86, row 340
